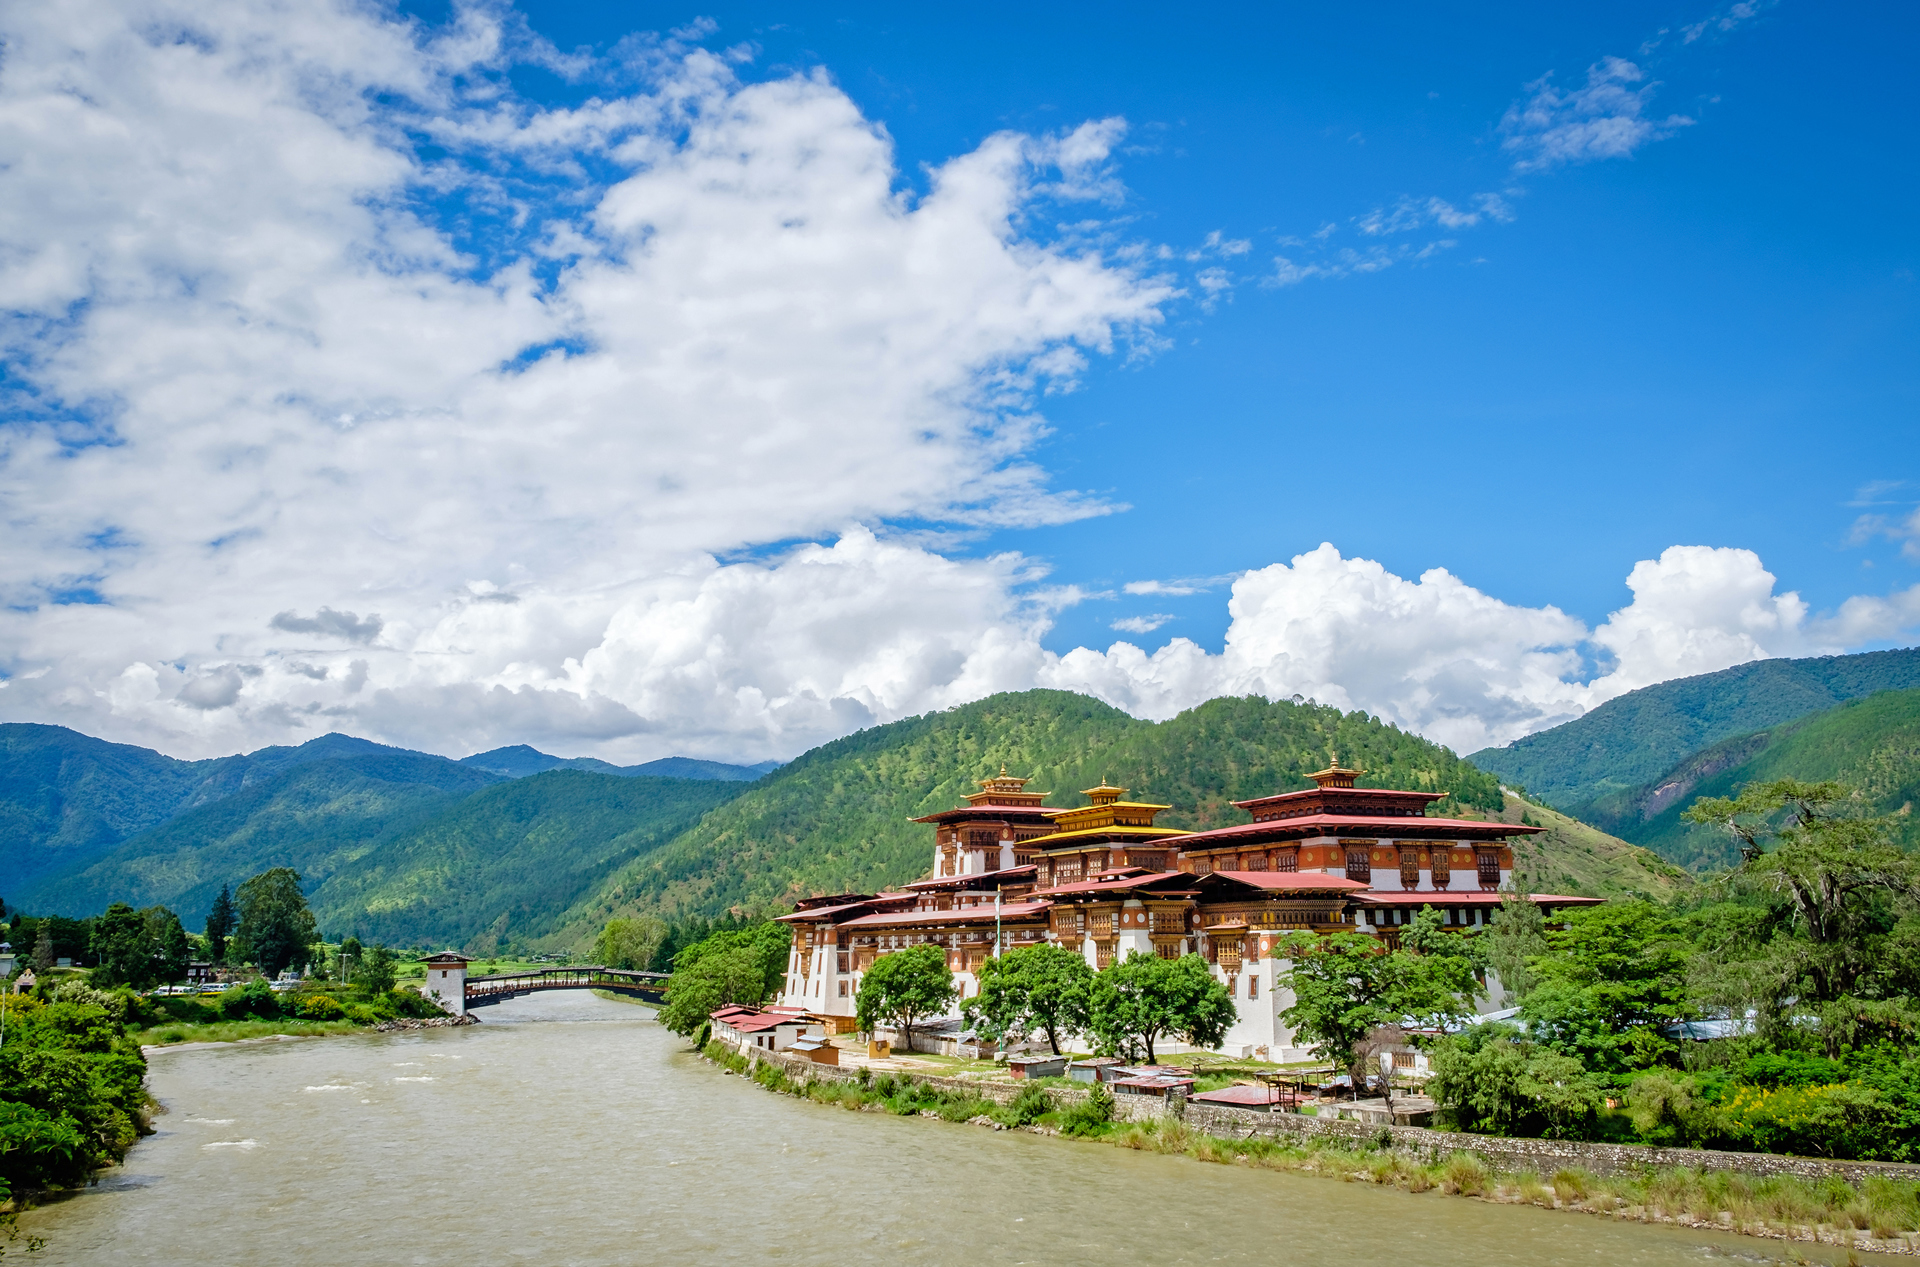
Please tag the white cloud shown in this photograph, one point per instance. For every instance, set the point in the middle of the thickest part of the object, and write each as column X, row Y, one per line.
column 1604, row 118
column 275, row 368
column 1904, row 531
column 1142, row 624
column 1441, row 658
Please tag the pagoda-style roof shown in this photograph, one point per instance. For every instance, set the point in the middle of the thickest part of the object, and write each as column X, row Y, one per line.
column 1483, row 897
column 847, row 910
column 1151, row 883
column 986, row 880
column 1106, row 816
column 984, row 914
column 1306, row 827
column 1218, row 886
column 1006, row 789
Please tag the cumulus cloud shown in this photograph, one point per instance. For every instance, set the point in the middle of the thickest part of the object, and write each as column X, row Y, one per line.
column 310, row 313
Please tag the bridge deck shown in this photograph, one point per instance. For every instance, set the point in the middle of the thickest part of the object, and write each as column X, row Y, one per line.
column 507, row 985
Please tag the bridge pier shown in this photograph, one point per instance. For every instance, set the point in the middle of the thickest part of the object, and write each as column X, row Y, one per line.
column 447, row 980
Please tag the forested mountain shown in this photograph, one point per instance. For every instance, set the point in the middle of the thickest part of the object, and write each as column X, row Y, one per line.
column 1871, row 744
column 1641, row 736
column 838, row 817
column 415, row 849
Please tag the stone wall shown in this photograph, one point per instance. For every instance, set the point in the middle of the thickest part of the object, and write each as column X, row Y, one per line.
column 1543, row 1156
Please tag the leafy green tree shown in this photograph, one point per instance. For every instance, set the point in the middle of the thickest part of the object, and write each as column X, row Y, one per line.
column 1140, row 999
column 121, row 948
column 629, row 943
column 375, row 972
column 1516, row 937
column 1042, row 987
column 1492, row 1082
column 1615, row 977
column 735, row 966
column 275, row 928
column 221, row 922
column 904, row 987
column 1348, row 984
column 169, row 945
column 1837, row 875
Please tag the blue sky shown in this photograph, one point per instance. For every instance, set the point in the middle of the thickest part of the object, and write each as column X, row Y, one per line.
column 1715, row 340
column 634, row 380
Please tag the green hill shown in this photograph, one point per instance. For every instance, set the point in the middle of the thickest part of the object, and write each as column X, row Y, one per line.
column 66, row 798
column 521, row 760
column 837, row 818
column 1573, row 857
column 1633, row 740
column 1871, row 743
column 506, row 861
column 306, row 816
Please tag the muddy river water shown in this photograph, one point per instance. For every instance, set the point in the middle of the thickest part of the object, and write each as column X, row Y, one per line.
column 567, row 1129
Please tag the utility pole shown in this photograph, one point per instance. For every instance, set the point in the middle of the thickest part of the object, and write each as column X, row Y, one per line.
column 996, row 923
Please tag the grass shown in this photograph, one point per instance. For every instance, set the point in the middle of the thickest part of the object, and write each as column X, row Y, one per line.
column 176, row 1032
column 1831, row 1210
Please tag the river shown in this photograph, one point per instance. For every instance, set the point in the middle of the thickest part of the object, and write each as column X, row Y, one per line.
column 568, row 1129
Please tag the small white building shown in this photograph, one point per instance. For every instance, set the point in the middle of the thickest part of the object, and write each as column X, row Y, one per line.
column 447, row 980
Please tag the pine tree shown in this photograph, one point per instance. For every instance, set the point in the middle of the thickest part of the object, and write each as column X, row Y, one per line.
column 220, row 922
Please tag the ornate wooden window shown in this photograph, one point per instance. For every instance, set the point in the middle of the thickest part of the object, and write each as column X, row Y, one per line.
column 842, row 958
column 1167, row 949
column 1442, row 867
column 1409, row 869
column 1253, row 862
column 1253, row 985
column 1489, row 869
column 1286, row 860
column 1360, row 864
column 1103, row 952
column 1101, row 924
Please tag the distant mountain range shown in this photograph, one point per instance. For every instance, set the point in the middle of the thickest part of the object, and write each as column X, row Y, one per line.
column 518, row 846
column 84, row 822
column 519, row 761
column 1631, row 766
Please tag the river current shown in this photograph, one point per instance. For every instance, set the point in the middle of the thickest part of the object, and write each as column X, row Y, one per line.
column 568, row 1129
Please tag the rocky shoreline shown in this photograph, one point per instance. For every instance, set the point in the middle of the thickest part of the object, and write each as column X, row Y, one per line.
column 431, row 1022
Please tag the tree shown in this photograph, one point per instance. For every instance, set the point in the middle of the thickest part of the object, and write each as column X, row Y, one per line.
column 1517, row 936
column 220, row 925
column 629, row 943
column 1346, row 984
column 1138, row 1000
column 349, row 956
column 375, row 972
column 737, row 966
column 121, row 949
column 1041, row 987
column 168, row 943
column 904, row 987
column 1615, row 978
column 43, row 956
column 1805, row 847
column 1489, row 1080
column 275, row 928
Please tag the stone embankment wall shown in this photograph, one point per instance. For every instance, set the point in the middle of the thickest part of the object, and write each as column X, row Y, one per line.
column 1543, row 1156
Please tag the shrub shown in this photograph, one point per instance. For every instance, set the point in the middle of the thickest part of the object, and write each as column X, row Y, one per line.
column 1092, row 1116
column 251, row 999
column 1467, row 1175
column 1026, row 1108
column 318, row 1007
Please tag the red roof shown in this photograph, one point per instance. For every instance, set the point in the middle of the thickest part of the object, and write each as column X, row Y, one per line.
column 1240, row 1094
column 1441, row 897
column 1289, row 881
column 821, row 912
column 961, row 881
column 764, row 1020
column 1124, row 882
column 1409, row 828
column 962, row 915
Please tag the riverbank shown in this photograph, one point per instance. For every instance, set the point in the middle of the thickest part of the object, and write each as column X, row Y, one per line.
column 1878, row 1215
